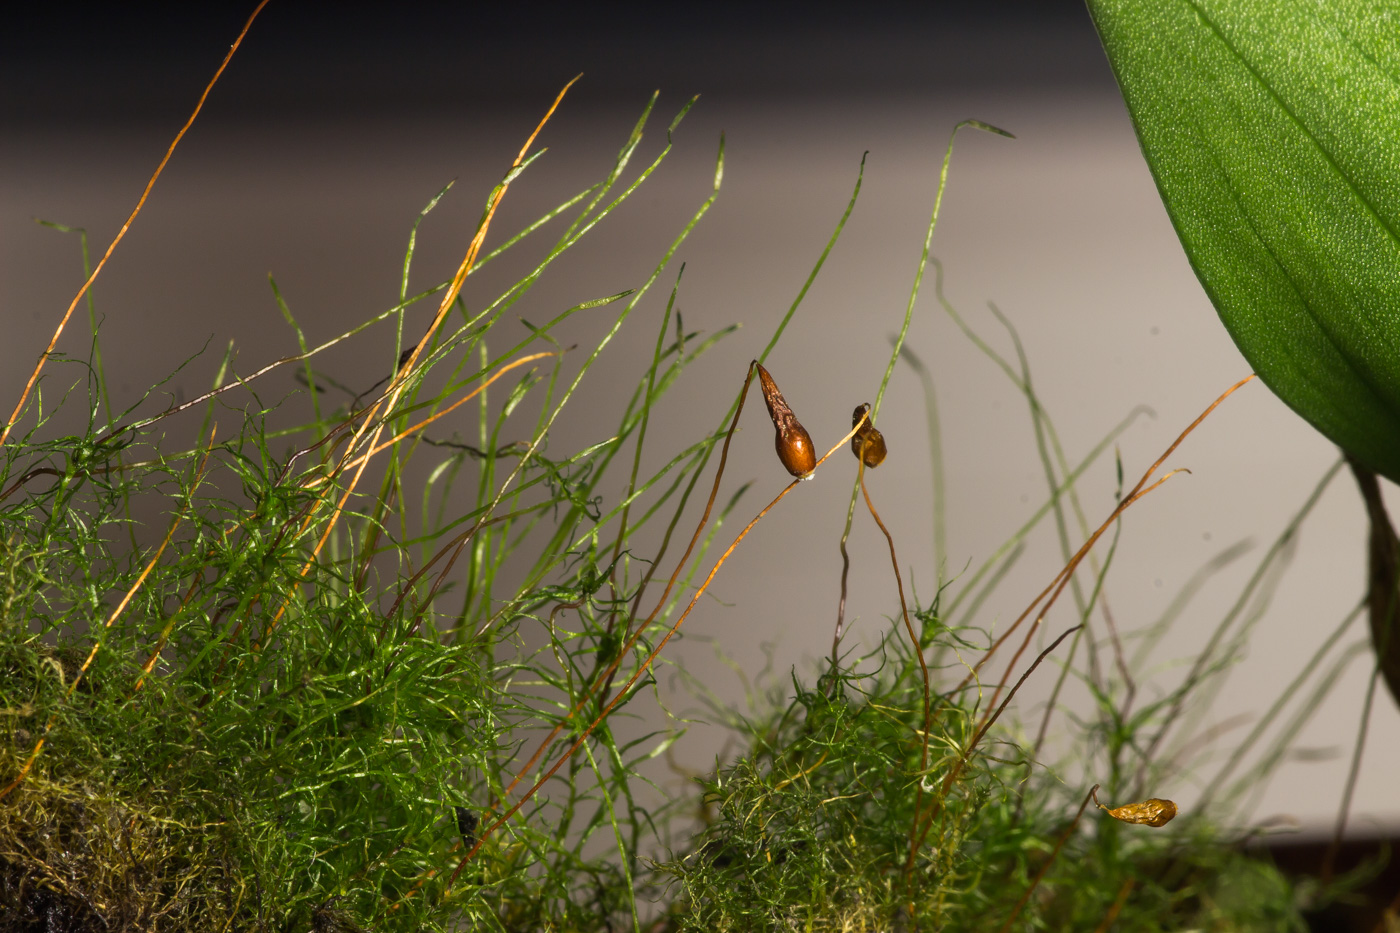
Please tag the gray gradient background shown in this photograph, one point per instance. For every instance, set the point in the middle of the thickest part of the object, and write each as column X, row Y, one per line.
column 332, row 129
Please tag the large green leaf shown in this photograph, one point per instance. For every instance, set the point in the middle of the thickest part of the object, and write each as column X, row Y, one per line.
column 1272, row 128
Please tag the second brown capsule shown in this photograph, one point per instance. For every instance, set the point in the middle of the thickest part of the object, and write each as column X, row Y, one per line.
column 868, row 444
column 793, row 443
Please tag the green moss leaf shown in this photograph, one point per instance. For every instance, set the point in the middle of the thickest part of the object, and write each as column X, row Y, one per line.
column 1272, row 128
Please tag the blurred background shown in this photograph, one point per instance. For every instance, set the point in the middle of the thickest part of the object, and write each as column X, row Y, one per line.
column 336, row 123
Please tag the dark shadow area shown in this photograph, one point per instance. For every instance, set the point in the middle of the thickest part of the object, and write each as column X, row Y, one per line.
column 1370, row 859
column 91, row 64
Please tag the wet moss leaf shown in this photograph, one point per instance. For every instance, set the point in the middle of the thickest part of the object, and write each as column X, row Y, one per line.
column 1270, row 127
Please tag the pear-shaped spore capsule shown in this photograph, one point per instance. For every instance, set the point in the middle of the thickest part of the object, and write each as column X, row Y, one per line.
column 868, row 444
column 793, row 443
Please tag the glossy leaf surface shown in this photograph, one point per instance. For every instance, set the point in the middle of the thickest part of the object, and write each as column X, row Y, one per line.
column 1272, row 128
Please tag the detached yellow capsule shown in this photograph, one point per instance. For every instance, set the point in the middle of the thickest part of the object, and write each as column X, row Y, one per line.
column 1152, row 812
column 793, row 443
column 868, row 444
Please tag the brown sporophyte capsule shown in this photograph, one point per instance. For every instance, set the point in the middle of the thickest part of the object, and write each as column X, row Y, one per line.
column 868, row 444
column 793, row 443
column 1154, row 811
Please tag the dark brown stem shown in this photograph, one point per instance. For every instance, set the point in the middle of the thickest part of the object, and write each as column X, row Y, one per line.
column 861, row 445
column 1059, row 844
column 1060, row 581
column 646, row 663
column 1117, row 907
column 1384, row 576
column 918, row 650
column 990, row 721
column 670, row 584
column 845, row 574
column 1329, row 860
